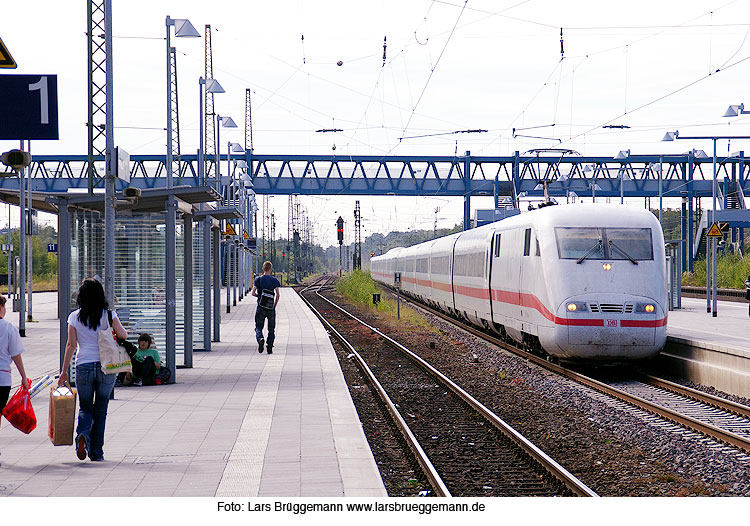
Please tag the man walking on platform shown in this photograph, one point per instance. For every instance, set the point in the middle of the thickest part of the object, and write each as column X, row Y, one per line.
column 266, row 288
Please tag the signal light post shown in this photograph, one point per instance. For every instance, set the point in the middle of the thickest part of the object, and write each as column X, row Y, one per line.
column 340, row 233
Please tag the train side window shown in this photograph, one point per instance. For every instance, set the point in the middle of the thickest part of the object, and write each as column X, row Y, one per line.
column 497, row 245
column 538, row 252
column 527, row 242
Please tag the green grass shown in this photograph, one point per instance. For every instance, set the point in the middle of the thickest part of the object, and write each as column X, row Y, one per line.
column 731, row 272
column 358, row 287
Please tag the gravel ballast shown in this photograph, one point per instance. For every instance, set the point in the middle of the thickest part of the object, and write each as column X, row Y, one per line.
column 615, row 449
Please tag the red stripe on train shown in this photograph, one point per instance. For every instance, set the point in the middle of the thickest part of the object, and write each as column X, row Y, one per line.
column 524, row 299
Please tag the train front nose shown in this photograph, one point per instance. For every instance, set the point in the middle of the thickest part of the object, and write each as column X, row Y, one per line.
column 610, row 326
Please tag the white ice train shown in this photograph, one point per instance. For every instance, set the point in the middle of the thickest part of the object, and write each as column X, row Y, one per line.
column 578, row 282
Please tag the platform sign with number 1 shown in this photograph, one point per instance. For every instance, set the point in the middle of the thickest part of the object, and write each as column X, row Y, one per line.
column 28, row 105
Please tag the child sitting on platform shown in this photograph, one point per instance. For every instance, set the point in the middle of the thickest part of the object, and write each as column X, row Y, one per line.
column 146, row 363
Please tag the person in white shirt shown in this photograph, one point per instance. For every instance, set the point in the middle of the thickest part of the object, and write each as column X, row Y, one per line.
column 10, row 350
column 94, row 387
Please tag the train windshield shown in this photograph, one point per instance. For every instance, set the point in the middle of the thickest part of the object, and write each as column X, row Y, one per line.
column 604, row 243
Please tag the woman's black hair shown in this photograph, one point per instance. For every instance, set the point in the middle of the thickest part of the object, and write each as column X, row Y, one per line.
column 92, row 302
column 146, row 337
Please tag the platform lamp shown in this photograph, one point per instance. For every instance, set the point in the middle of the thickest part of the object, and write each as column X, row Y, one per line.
column 227, row 122
column 212, row 86
column 182, row 28
column 622, row 155
column 736, row 109
column 232, row 196
column 237, row 148
column 710, row 276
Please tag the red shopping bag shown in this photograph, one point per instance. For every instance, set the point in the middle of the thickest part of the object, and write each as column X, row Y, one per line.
column 19, row 412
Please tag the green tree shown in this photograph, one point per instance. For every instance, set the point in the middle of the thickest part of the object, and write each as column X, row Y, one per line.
column 44, row 264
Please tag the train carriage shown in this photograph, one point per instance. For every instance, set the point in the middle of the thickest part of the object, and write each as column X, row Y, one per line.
column 579, row 282
column 471, row 288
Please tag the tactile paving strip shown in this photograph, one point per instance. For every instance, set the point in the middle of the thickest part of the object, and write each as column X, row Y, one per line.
column 243, row 471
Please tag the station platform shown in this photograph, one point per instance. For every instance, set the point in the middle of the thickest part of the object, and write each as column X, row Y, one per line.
column 710, row 350
column 238, row 423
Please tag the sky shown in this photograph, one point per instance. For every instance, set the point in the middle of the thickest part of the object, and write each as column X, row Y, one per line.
column 449, row 66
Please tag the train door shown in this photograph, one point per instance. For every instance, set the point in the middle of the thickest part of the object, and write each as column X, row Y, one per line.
column 452, row 262
column 523, row 276
column 493, row 253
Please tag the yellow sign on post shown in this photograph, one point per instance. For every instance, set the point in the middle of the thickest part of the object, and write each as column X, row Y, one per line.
column 6, row 61
column 715, row 231
column 230, row 231
column 245, row 235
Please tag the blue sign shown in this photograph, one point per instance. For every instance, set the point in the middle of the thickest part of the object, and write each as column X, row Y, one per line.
column 28, row 105
column 52, row 247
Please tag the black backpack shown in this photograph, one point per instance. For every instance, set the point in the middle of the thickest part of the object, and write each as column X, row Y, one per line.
column 266, row 299
column 163, row 376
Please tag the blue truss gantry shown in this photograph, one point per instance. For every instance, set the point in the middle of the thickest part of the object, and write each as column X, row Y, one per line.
column 681, row 175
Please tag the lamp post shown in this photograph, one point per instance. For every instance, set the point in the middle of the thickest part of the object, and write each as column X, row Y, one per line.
column 212, row 86
column 227, row 122
column 183, row 28
column 233, row 147
column 710, row 275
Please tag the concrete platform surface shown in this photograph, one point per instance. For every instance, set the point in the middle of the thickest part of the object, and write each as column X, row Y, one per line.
column 729, row 329
column 238, row 423
column 710, row 350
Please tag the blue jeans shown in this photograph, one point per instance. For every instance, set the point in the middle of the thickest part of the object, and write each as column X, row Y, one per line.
column 94, row 390
column 260, row 318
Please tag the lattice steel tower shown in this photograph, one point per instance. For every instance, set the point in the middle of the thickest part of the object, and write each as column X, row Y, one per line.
column 357, row 262
column 249, row 150
column 296, row 237
column 272, row 255
column 175, row 117
column 289, row 229
column 266, row 228
column 209, row 116
column 97, row 87
column 249, row 129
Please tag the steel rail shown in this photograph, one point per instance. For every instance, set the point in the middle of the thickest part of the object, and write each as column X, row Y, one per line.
column 441, row 490
column 555, row 469
column 704, row 428
column 699, row 396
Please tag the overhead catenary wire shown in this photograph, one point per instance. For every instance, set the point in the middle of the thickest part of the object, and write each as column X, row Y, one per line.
column 432, row 70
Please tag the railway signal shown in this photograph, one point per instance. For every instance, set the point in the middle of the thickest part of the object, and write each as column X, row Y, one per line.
column 340, row 233
column 340, row 230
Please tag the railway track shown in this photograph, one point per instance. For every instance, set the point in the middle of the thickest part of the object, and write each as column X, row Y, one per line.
column 463, row 448
column 719, row 419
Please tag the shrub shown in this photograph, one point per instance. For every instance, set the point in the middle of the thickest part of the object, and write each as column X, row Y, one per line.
column 359, row 287
column 731, row 272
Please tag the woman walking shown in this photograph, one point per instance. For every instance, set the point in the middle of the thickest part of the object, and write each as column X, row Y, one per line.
column 94, row 387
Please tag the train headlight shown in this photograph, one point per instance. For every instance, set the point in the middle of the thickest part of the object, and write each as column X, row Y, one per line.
column 576, row 306
column 607, row 266
column 647, row 308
